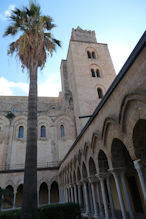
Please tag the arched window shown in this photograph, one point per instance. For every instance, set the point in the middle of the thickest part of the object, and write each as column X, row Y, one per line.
column 43, row 131
column 100, row 93
column 93, row 55
column 93, row 73
column 97, row 73
column 89, row 55
column 62, row 134
column 21, row 132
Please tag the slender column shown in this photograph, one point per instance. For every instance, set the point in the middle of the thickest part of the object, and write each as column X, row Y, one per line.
column 110, row 197
column 138, row 167
column 126, row 194
column 115, row 173
column 101, row 178
column 72, row 197
column 69, row 190
column 60, row 195
column 90, row 199
column 63, row 196
column 86, row 199
column 67, row 193
column 49, row 195
column 75, row 193
column 99, row 200
column 14, row 201
column 66, row 198
column 38, row 197
column 79, row 195
column 93, row 180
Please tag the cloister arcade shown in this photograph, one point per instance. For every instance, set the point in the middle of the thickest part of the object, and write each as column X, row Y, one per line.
column 107, row 175
column 47, row 194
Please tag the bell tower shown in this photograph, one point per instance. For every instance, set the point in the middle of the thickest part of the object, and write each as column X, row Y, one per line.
column 86, row 73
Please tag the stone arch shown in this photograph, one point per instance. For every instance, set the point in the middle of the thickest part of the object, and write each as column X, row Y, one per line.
column 42, row 180
column 74, row 177
column 68, row 125
column 109, row 130
column 90, row 49
column 8, row 197
column 100, row 86
column 47, row 123
column 79, row 156
column 96, row 141
column 19, row 194
column 130, row 103
column 18, row 122
column 102, row 161
column 10, row 182
column 78, row 174
column 139, row 140
column 54, row 193
column 121, row 159
column 43, row 193
column 119, row 154
column 84, row 171
column 92, row 167
column 96, row 67
column 71, row 180
column 85, row 150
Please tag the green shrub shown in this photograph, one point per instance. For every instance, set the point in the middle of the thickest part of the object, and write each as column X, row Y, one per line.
column 14, row 214
column 53, row 211
column 60, row 211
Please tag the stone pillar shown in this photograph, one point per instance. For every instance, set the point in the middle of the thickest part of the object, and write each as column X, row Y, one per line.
column 66, row 194
column 79, row 194
column 60, row 195
column 116, row 173
column 99, row 200
column 38, row 197
column 126, row 194
column 86, row 201
column 139, row 168
column 101, row 178
column 110, row 196
column 93, row 180
column 90, row 199
column 48, row 194
column 72, row 196
column 75, row 194
column 14, row 200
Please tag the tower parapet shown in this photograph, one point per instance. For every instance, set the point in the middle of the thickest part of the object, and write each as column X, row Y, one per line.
column 83, row 35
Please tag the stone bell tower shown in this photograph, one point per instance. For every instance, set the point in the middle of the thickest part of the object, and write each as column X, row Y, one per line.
column 86, row 73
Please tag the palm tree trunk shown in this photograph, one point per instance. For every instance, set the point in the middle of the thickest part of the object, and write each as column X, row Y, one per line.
column 29, row 205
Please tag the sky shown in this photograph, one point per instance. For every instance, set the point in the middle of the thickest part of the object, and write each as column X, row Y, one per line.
column 119, row 23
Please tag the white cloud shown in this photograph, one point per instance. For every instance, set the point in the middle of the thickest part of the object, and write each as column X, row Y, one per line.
column 9, row 88
column 49, row 88
column 7, row 13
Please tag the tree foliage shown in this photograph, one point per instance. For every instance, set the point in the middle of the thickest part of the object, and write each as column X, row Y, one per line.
column 36, row 38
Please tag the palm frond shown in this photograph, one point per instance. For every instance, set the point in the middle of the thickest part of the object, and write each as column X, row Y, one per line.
column 11, row 30
column 34, row 9
column 34, row 42
column 57, row 42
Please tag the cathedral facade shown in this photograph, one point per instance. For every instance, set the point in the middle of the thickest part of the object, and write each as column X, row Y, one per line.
column 91, row 139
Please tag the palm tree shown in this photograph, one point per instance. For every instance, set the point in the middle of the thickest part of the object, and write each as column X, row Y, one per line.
column 32, row 47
